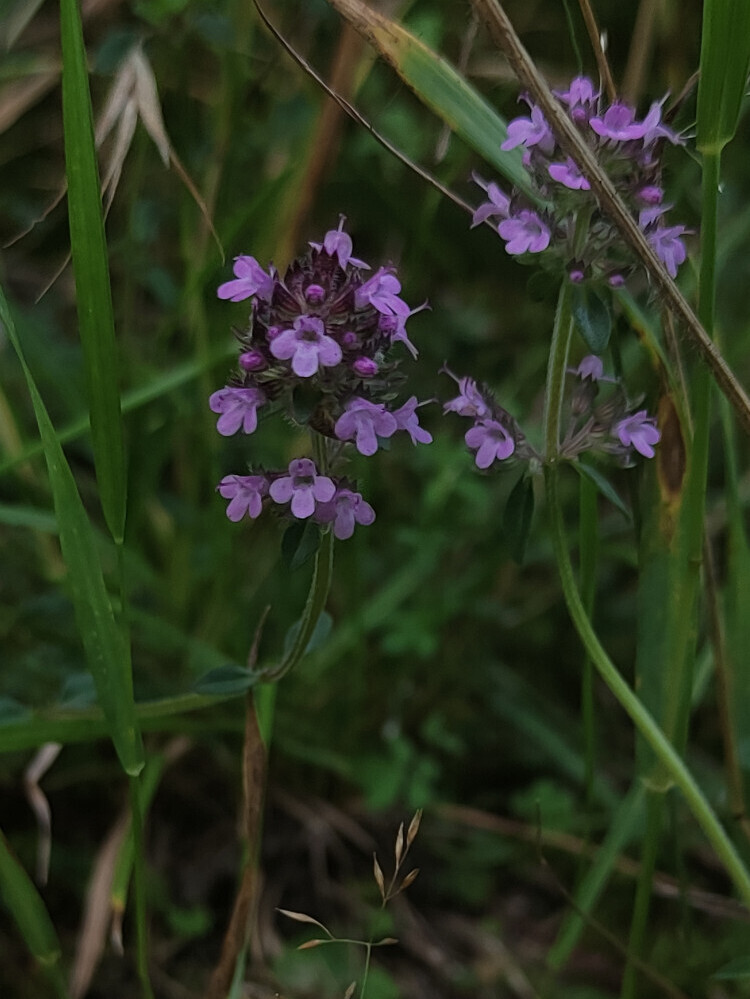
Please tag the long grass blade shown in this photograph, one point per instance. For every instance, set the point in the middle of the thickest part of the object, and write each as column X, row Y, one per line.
column 107, row 654
column 30, row 914
column 725, row 61
column 437, row 84
column 89, row 253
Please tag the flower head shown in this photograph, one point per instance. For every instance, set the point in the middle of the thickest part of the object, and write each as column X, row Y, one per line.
column 668, row 246
column 524, row 233
column 338, row 243
column 639, row 431
column 491, row 441
column 364, row 421
column 344, row 510
column 302, row 486
column 251, row 280
column 308, row 346
column 406, row 419
column 245, row 494
column 469, row 402
column 238, row 408
column 530, row 132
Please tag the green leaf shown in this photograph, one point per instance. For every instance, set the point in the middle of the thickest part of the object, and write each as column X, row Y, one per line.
column 320, row 633
column 517, row 517
column 724, row 64
column 300, row 542
column 226, row 680
column 107, row 653
column 89, row 252
column 592, row 318
column 603, row 484
column 738, row 968
column 438, row 85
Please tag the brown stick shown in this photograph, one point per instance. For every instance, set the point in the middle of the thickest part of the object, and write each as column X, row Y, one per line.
column 573, row 145
column 596, row 44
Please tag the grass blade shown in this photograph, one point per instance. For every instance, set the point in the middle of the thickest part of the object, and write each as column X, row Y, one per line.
column 30, row 914
column 725, row 60
column 89, row 252
column 107, row 653
column 441, row 88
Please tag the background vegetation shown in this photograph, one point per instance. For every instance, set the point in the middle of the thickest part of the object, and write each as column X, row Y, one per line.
column 451, row 679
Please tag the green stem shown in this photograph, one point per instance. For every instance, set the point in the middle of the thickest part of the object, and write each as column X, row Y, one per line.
column 558, row 360
column 654, row 814
column 316, row 601
column 588, row 544
column 641, row 718
column 139, row 888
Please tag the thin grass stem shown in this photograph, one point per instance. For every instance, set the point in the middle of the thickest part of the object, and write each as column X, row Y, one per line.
column 139, row 888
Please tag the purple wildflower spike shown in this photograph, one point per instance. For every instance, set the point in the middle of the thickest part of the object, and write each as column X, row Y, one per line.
column 639, row 431
column 524, row 233
column 251, row 280
column 491, row 441
column 303, row 486
column 533, row 131
column 245, row 494
column 364, row 421
column 308, row 346
column 344, row 510
column 407, row 419
column 239, row 408
column 668, row 246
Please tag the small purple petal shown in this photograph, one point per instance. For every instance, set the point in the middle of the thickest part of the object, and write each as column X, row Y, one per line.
column 238, row 407
column 524, row 233
column 245, row 493
column 407, row 419
column 251, row 280
column 491, row 441
column 364, row 421
column 568, row 174
column 640, row 432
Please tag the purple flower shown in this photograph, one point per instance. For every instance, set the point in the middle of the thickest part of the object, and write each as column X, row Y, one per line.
column 381, row 292
column 303, row 486
column 238, row 407
column 568, row 174
column 653, row 129
column 307, row 345
column 668, row 246
column 490, row 440
column 365, row 367
column 251, row 280
column 524, row 233
column 245, row 493
column 344, row 510
column 337, row 243
column 580, row 93
column 618, row 123
column 407, row 419
column 591, row 367
column 651, row 194
column 499, row 203
column 469, row 402
column 530, row 132
column 253, row 360
column 640, row 432
column 364, row 421
column 395, row 327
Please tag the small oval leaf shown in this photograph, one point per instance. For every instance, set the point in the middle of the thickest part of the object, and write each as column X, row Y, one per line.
column 227, row 679
column 592, row 318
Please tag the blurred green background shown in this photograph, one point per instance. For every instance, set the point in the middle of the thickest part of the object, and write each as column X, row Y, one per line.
column 451, row 678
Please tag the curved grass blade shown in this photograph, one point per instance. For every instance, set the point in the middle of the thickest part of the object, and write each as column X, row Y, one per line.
column 89, row 253
column 30, row 914
column 107, row 653
column 438, row 85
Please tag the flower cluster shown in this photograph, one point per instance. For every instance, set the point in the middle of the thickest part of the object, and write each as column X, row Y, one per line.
column 611, row 427
column 566, row 226
column 319, row 345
